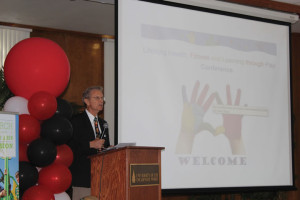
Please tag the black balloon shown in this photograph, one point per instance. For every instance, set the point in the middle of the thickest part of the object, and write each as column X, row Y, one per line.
column 64, row 108
column 28, row 175
column 41, row 152
column 58, row 129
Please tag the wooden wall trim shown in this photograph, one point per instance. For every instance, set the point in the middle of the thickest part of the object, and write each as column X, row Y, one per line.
column 38, row 28
column 273, row 5
column 295, row 35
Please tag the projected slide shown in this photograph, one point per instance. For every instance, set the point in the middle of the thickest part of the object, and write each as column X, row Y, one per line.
column 212, row 89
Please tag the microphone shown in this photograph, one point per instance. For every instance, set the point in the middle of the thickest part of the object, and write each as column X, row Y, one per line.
column 105, row 126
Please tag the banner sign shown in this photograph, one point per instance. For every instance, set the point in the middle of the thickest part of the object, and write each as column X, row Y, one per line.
column 9, row 126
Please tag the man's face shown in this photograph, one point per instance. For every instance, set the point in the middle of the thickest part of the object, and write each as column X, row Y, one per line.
column 95, row 102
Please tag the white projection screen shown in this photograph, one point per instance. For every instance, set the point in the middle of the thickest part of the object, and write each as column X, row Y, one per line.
column 213, row 89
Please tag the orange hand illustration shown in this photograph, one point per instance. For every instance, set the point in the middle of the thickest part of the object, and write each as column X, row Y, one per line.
column 192, row 117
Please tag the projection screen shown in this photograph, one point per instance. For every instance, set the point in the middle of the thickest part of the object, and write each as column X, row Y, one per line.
column 213, row 89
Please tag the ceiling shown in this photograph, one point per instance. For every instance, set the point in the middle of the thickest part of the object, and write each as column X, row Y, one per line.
column 88, row 16
column 74, row 15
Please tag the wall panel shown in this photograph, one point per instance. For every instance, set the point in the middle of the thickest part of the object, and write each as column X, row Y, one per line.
column 85, row 54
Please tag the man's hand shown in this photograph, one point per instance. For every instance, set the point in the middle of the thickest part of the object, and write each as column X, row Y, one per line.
column 97, row 144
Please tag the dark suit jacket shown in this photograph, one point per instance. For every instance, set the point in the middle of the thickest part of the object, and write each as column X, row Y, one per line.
column 83, row 133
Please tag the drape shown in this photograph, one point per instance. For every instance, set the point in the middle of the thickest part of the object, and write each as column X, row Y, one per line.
column 9, row 36
column 109, row 84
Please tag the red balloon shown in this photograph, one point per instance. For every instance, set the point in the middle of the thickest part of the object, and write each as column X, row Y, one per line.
column 64, row 155
column 36, row 64
column 29, row 128
column 56, row 177
column 38, row 192
column 42, row 105
column 23, row 152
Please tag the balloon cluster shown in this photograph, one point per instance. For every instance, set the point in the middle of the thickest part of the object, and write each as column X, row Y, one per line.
column 37, row 71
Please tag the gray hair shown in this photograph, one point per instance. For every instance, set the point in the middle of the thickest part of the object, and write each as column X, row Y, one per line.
column 87, row 92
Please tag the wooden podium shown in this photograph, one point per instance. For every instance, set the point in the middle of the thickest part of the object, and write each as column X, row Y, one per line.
column 128, row 173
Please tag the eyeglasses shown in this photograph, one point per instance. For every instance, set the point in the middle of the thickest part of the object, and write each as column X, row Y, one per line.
column 99, row 98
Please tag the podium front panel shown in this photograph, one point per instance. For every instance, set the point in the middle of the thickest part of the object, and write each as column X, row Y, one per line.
column 145, row 157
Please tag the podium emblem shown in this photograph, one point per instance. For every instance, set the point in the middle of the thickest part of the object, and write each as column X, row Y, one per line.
column 144, row 174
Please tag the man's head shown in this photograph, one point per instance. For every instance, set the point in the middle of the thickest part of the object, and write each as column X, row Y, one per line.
column 93, row 99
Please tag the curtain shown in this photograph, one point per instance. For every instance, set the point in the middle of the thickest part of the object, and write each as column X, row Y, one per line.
column 109, row 84
column 9, row 36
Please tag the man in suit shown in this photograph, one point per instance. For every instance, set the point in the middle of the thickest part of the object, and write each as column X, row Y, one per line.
column 87, row 140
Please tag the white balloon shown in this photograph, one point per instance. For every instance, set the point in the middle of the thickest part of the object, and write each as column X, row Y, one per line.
column 16, row 104
column 62, row 196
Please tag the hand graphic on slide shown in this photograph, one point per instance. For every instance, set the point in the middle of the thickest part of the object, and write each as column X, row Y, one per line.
column 192, row 118
column 233, row 124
